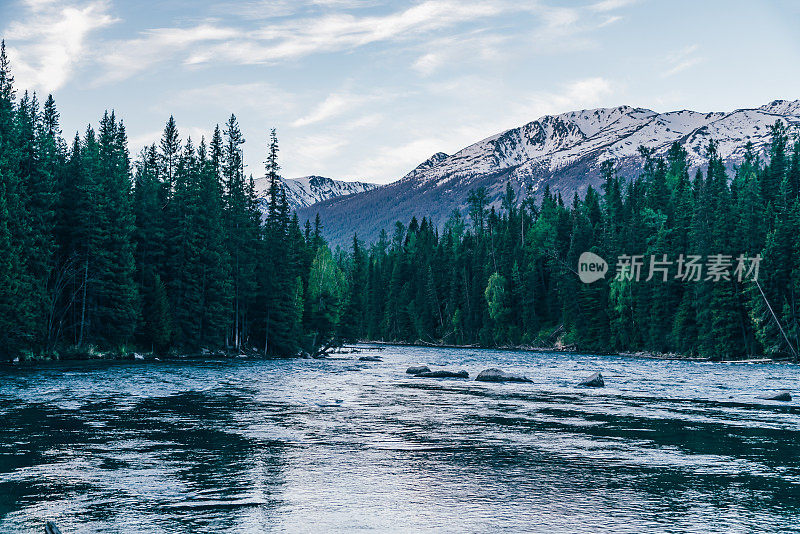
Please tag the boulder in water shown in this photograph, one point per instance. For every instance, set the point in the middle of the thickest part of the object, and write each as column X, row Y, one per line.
column 442, row 374
column 594, row 381
column 370, row 359
column 51, row 528
column 783, row 396
column 417, row 369
column 497, row 375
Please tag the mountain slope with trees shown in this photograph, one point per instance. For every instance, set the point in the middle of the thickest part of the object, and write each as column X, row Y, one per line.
column 564, row 152
column 172, row 252
column 507, row 275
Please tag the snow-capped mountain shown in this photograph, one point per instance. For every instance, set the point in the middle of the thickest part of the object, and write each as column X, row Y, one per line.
column 562, row 151
column 308, row 190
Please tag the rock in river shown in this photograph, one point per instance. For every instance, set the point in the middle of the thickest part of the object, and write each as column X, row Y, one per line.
column 784, row 396
column 496, row 375
column 594, row 381
column 370, row 359
column 417, row 369
column 443, row 374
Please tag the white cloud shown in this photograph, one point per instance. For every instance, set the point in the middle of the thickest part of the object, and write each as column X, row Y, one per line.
column 284, row 39
column 580, row 94
column 428, row 63
column 315, row 151
column 609, row 20
column 341, row 31
column 125, row 59
column 46, row 46
column 366, row 121
column 341, row 103
column 252, row 98
column 332, row 106
column 334, row 27
column 681, row 60
column 478, row 45
column 405, row 156
column 610, row 5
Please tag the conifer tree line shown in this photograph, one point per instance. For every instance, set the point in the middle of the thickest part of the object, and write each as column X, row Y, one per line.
column 506, row 276
column 175, row 251
column 167, row 252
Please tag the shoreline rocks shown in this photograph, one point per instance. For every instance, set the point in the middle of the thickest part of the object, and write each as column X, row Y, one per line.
column 594, row 381
column 498, row 375
column 417, row 369
column 370, row 359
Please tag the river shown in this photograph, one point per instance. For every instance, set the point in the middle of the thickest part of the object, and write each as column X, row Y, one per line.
column 341, row 445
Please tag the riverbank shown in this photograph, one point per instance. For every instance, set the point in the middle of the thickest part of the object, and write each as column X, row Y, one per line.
column 91, row 355
column 573, row 350
column 94, row 355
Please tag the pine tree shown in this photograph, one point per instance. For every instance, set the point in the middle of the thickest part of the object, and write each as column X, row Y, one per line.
column 240, row 242
column 214, row 260
column 157, row 317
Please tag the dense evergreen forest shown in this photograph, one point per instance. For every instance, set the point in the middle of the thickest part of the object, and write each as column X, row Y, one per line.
column 175, row 251
column 170, row 252
column 508, row 276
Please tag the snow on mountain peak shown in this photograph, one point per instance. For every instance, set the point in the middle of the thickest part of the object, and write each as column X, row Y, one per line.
column 307, row 190
column 563, row 151
column 556, row 141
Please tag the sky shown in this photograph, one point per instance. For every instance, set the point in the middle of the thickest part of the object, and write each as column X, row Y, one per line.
column 366, row 90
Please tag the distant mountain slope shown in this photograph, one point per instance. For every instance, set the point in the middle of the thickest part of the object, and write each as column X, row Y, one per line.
column 562, row 151
column 308, row 190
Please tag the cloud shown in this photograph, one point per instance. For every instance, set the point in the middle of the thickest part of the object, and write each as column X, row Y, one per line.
column 334, row 105
column 580, row 94
column 342, row 31
column 554, row 30
column 405, row 156
column 316, row 151
column 251, row 98
column 288, row 31
column 681, row 60
column 370, row 120
column 46, row 46
column 428, row 63
column 610, row 5
column 589, row 90
column 341, row 103
column 125, row 59
column 272, row 41
column 609, row 20
column 477, row 45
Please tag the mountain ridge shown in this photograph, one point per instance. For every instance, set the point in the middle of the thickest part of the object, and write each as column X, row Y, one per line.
column 308, row 190
column 563, row 151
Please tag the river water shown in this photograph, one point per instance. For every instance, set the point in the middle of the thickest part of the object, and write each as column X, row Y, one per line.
column 341, row 445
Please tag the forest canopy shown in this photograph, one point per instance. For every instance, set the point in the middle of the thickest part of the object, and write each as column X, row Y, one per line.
column 174, row 250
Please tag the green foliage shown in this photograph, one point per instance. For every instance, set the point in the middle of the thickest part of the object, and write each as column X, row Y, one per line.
column 497, row 302
column 508, row 276
column 158, row 321
column 174, row 252
column 326, row 292
column 170, row 252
